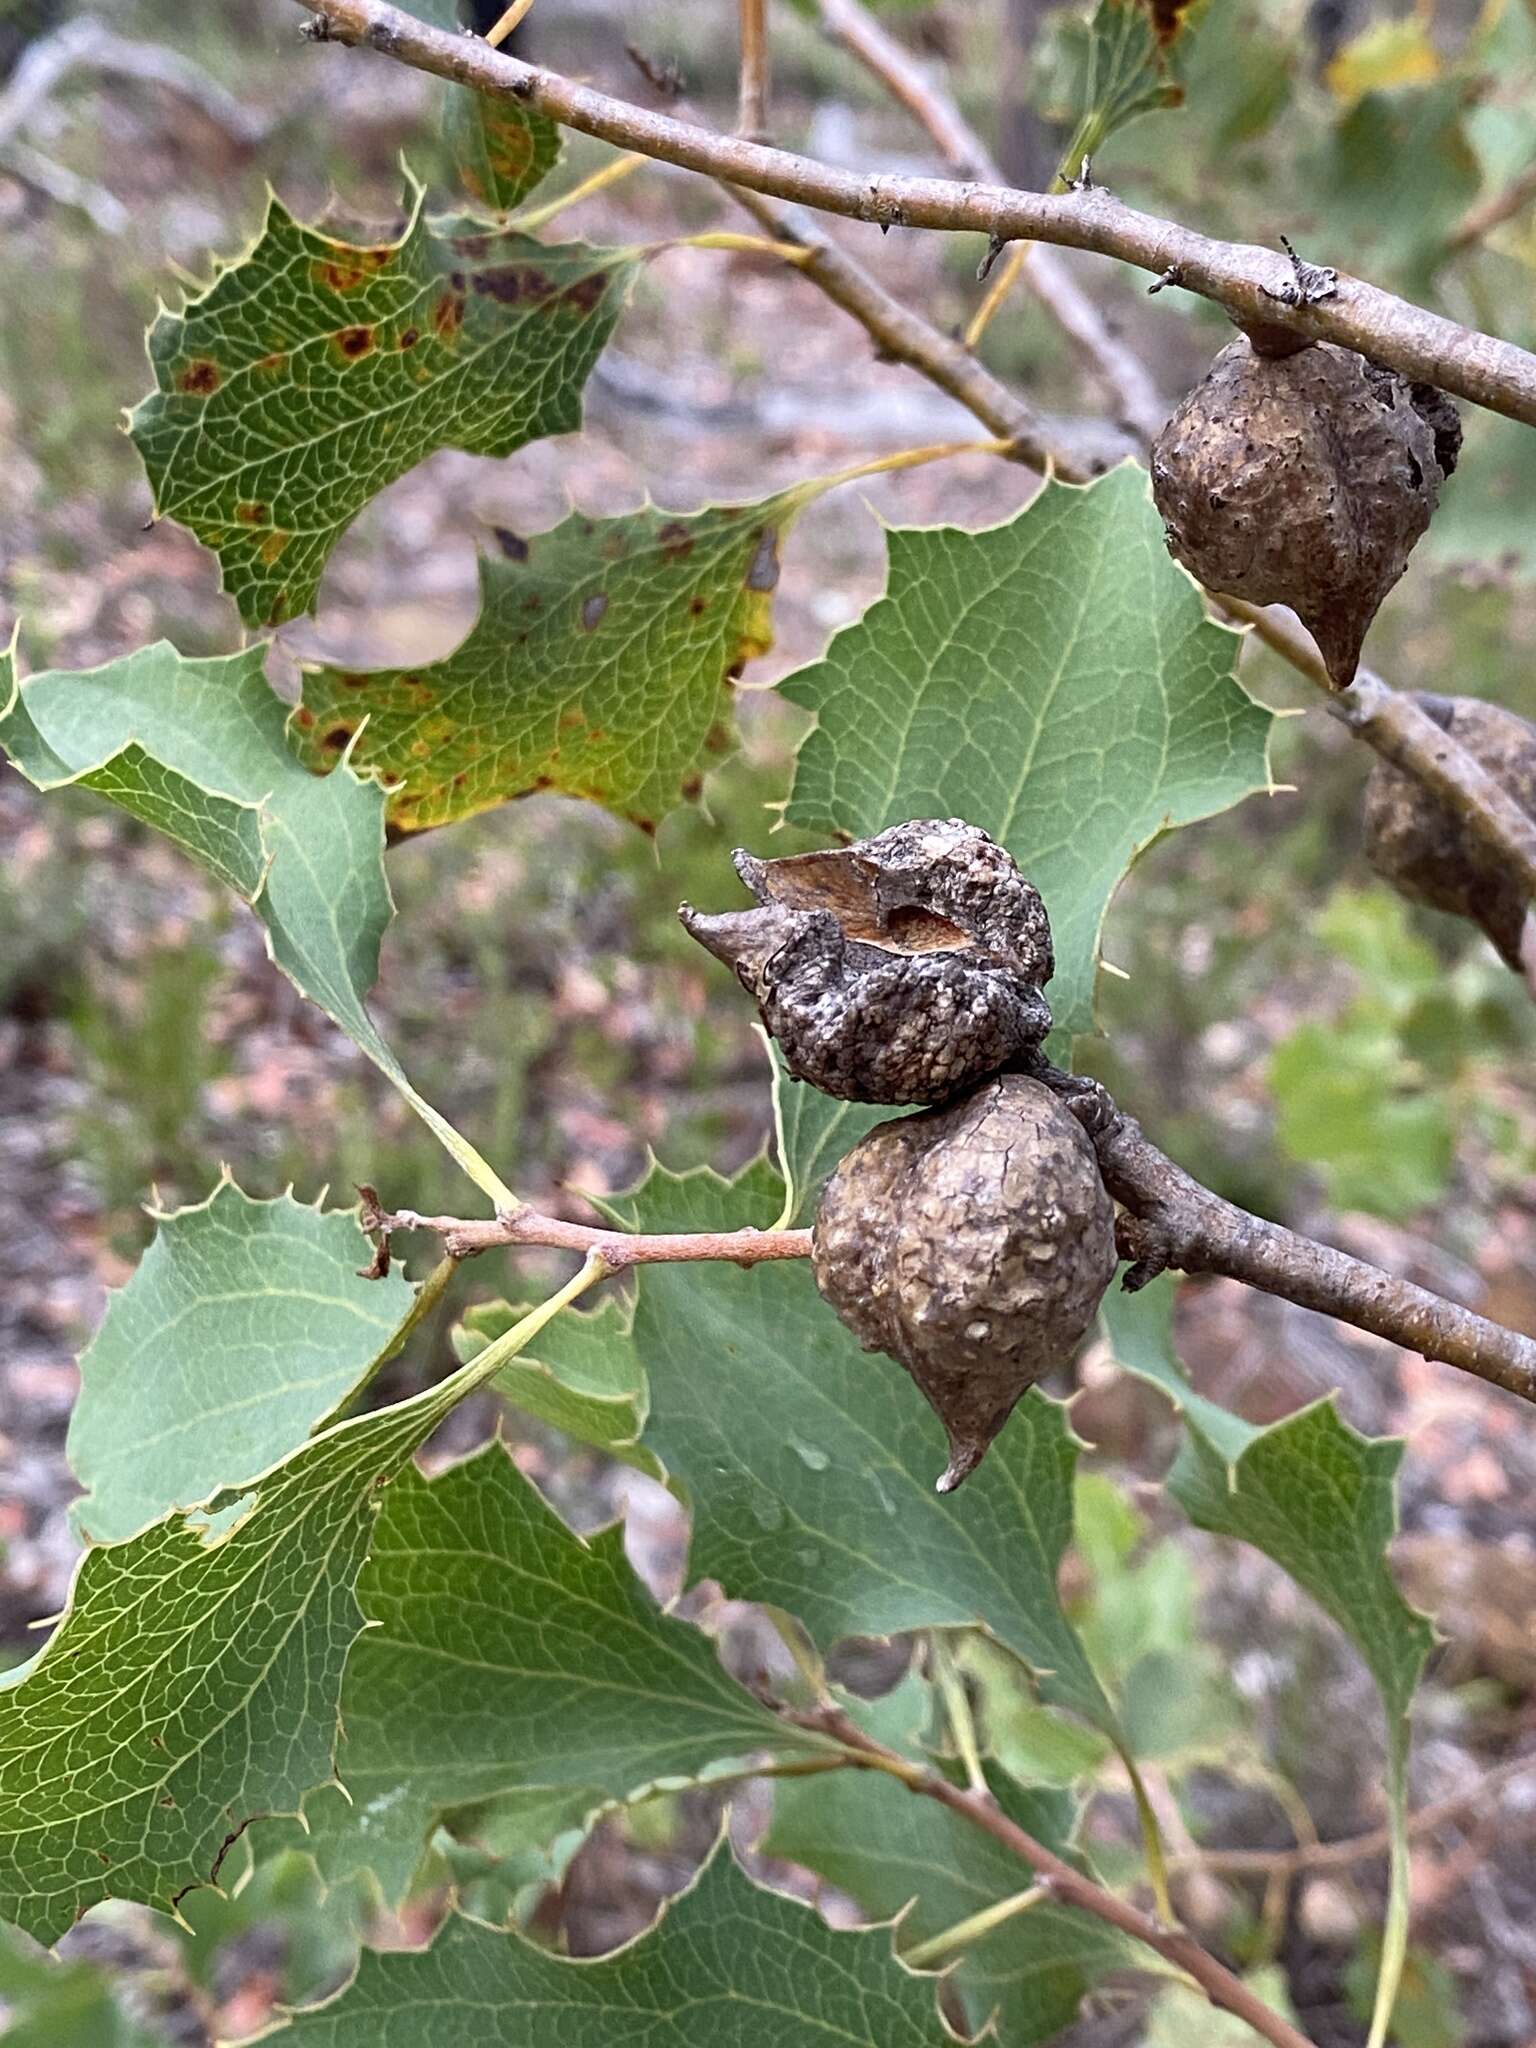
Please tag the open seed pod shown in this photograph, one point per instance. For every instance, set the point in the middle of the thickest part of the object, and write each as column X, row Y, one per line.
column 972, row 1243
column 1427, row 852
column 899, row 969
column 1304, row 479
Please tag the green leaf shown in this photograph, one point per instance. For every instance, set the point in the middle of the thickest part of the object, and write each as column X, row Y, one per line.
column 600, row 666
column 1054, row 680
column 1393, row 180
column 810, row 1465
column 1320, row 1499
column 728, row 1963
column 1183, row 2017
column 854, row 1829
column 586, row 1379
column 192, row 1682
column 1139, row 1330
column 501, row 149
column 1127, row 59
column 506, row 1652
column 245, row 1324
column 52, row 2004
column 196, row 748
column 1350, row 1105
column 313, row 372
column 813, row 1132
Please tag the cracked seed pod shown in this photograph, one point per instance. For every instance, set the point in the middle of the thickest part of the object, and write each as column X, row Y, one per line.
column 1304, row 479
column 902, row 968
column 973, row 1244
column 1426, row 852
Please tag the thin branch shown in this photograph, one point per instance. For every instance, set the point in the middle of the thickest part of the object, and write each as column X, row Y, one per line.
column 1308, row 1856
column 1118, row 368
column 1173, row 1221
column 86, row 44
column 752, row 113
column 508, row 20
column 1248, row 282
column 1493, row 211
column 466, row 1237
column 1060, row 1881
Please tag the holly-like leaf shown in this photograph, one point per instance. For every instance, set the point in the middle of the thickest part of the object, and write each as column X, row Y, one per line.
column 585, row 1379
column 313, row 372
column 600, row 666
column 1320, row 1499
column 244, row 1325
column 196, row 748
column 810, row 1464
column 892, row 1854
column 728, row 1963
column 1139, row 1328
column 1127, row 59
column 1054, row 680
column 193, row 1679
column 500, row 149
column 509, row 1653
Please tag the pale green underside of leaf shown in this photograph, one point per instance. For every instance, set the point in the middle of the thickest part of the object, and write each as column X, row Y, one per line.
column 196, row 748
column 600, row 667
column 585, row 1379
column 508, row 1654
column 810, row 1464
column 1139, row 1328
column 1054, row 680
column 193, row 1681
column 890, row 1852
column 313, row 372
column 243, row 1327
column 729, row 1966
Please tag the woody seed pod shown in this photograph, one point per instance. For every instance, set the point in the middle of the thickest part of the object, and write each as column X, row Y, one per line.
column 973, row 1244
column 1426, row 852
column 902, row 968
column 1304, row 479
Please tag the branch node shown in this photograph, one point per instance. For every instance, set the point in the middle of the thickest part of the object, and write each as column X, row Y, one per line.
column 996, row 244
column 1172, row 276
column 1309, row 283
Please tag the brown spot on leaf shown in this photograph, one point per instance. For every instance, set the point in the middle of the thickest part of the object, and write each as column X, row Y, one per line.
column 460, row 779
column 692, row 789
column 533, row 602
column 470, row 245
column 646, row 825
column 586, row 293
column 718, row 739
column 354, row 682
column 274, row 544
column 409, row 338
column 337, row 738
column 1169, row 17
column 304, row 718
column 764, row 572
column 251, row 513
column 200, row 377
column 513, row 284
column 448, row 315
column 512, row 545
column 697, row 605
column 355, row 341
column 592, row 610
column 273, row 363
column 335, row 276
column 677, row 543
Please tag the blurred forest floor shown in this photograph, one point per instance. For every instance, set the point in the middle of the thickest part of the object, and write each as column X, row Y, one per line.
column 1286, row 1029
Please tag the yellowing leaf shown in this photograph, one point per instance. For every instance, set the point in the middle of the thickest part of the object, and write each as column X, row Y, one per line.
column 1387, row 54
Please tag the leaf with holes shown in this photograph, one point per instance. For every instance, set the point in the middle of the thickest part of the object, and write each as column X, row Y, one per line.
column 1054, row 680
column 197, row 749
column 193, row 1680
column 507, row 1653
column 244, row 1325
column 727, row 1963
column 600, row 666
column 313, row 372
column 810, row 1464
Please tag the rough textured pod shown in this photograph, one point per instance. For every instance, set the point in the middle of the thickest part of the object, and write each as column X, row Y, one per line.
column 902, row 968
column 973, row 1244
column 1427, row 853
column 1305, row 480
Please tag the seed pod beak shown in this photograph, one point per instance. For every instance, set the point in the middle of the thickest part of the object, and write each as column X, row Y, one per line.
column 745, row 940
column 964, row 1456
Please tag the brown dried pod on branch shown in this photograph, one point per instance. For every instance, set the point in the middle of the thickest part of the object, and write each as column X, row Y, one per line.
column 973, row 1244
column 1304, row 479
column 902, row 968
column 1427, row 852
